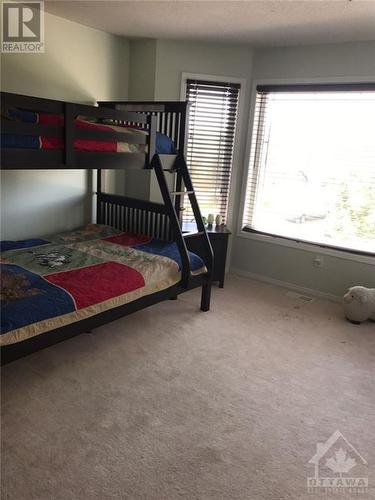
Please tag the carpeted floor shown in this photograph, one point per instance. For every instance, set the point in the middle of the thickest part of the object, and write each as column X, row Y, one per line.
column 173, row 403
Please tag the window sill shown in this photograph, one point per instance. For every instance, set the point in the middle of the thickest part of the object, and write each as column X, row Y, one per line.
column 307, row 247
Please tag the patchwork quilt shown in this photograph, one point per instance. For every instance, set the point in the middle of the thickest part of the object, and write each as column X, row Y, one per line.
column 164, row 145
column 67, row 277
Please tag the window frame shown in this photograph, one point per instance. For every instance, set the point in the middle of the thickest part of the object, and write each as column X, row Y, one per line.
column 235, row 171
column 319, row 83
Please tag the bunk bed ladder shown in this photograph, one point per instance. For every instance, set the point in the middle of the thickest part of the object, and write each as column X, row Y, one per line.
column 182, row 169
column 175, row 225
column 183, row 176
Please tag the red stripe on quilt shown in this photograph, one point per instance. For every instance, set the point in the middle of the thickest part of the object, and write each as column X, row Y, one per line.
column 94, row 284
column 79, row 144
column 49, row 119
column 128, row 239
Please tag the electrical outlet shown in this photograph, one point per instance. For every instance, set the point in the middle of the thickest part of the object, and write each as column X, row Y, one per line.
column 318, row 261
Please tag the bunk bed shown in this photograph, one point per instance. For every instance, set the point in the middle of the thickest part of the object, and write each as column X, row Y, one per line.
column 135, row 254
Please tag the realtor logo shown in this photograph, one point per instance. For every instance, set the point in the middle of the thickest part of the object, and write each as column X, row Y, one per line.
column 22, row 27
column 338, row 468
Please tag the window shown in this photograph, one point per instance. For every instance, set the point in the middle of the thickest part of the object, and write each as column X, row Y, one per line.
column 211, row 134
column 312, row 165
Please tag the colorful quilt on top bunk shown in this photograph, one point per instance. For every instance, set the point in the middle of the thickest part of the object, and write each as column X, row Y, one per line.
column 164, row 144
column 49, row 283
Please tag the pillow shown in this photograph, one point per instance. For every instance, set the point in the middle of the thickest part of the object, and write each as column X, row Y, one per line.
column 164, row 145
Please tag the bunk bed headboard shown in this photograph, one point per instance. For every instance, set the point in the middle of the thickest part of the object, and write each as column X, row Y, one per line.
column 134, row 216
column 171, row 116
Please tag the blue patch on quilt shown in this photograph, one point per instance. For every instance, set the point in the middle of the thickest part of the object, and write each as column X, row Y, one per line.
column 24, row 116
column 20, row 141
column 27, row 298
column 160, row 247
column 164, row 144
column 6, row 245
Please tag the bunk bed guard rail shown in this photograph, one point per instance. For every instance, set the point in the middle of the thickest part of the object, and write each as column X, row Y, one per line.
column 171, row 117
column 63, row 127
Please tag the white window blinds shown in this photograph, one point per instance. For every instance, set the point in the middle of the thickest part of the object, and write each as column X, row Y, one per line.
column 211, row 135
column 312, row 165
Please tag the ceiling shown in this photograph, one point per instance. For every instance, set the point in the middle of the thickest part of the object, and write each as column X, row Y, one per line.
column 260, row 23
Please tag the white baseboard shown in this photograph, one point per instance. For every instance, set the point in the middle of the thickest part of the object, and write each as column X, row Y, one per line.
column 285, row 284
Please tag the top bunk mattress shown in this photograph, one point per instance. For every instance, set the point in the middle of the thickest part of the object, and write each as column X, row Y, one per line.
column 51, row 282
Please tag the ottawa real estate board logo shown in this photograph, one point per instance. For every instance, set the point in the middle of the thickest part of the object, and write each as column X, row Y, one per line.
column 338, row 468
column 22, row 27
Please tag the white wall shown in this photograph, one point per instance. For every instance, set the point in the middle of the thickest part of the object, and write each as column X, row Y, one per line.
column 175, row 57
column 217, row 59
column 142, row 70
column 80, row 64
column 356, row 59
column 161, row 80
column 350, row 62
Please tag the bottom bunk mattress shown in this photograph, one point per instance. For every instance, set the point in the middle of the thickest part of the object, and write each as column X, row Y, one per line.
column 52, row 282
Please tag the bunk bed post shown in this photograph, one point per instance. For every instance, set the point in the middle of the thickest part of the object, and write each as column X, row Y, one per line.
column 151, row 140
column 99, row 215
column 183, row 130
column 179, row 198
column 182, row 147
column 69, row 133
column 206, row 296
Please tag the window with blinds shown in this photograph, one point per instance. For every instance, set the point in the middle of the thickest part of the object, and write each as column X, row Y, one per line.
column 312, row 165
column 211, row 134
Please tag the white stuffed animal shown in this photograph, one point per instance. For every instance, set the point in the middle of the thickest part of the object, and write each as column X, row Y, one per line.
column 359, row 304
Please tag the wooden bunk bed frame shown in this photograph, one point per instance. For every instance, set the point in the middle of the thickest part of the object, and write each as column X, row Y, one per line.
column 159, row 220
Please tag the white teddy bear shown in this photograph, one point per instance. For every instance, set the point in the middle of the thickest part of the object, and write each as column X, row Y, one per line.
column 359, row 304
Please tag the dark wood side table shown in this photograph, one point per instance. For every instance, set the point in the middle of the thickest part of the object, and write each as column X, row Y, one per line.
column 219, row 236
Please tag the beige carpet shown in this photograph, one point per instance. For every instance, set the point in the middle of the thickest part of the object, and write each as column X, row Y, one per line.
column 174, row 403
